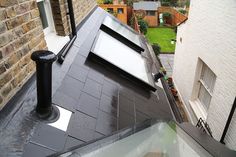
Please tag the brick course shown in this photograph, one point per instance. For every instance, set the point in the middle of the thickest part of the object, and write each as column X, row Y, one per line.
column 60, row 9
column 19, row 25
column 21, row 33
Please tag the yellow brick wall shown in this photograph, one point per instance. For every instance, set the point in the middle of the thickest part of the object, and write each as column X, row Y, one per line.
column 21, row 33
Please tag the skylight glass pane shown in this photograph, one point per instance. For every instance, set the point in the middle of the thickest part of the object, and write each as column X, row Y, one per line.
column 122, row 30
column 120, row 55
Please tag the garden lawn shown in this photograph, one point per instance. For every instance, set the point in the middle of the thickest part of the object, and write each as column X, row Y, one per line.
column 163, row 37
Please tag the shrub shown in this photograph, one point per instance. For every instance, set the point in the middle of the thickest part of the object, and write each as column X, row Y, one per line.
column 129, row 2
column 175, row 29
column 165, row 4
column 99, row 1
column 169, row 2
column 108, row 1
column 143, row 25
column 166, row 15
column 156, row 48
column 182, row 11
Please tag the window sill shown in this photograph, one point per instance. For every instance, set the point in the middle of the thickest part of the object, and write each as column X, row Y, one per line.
column 198, row 109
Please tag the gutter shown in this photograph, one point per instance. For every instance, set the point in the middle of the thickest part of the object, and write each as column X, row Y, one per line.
column 169, row 96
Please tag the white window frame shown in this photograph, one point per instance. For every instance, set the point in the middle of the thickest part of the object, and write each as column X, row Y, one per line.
column 199, row 109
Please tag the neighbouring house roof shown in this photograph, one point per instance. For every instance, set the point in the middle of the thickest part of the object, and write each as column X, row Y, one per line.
column 98, row 98
column 146, row 5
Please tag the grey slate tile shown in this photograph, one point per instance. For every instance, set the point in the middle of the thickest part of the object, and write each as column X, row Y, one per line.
column 106, row 124
column 71, row 87
column 82, row 120
column 93, row 88
column 83, row 51
column 88, row 105
column 98, row 135
column 50, row 137
column 64, row 101
column 78, row 72
column 72, row 142
column 110, row 89
column 109, row 105
column 81, row 133
column 32, row 150
column 96, row 76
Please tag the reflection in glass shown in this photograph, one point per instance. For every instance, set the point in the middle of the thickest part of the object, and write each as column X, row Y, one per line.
column 122, row 30
column 160, row 140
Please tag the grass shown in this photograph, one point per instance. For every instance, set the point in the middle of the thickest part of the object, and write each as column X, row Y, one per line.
column 163, row 37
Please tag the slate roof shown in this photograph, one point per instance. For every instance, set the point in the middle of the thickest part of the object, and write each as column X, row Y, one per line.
column 146, row 5
column 101, row 102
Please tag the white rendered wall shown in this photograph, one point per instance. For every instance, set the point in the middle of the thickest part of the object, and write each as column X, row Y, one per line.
column 209, row 34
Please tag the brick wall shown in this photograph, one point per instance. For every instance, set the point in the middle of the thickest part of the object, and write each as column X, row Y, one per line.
column 201, row 37
column 20, row 34
column 60, row 9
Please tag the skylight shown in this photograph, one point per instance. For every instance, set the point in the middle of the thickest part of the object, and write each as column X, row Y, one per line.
column 110, row 24
column 121, row 56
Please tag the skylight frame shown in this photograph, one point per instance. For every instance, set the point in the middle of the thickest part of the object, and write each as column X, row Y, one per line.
column 136, row 45
column 148, row 84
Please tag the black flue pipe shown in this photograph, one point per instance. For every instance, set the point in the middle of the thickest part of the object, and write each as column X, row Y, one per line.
column 44, row 60
column 72, row 18
column 62, row 54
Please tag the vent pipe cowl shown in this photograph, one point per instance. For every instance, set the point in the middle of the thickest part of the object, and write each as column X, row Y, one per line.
column 44, row 60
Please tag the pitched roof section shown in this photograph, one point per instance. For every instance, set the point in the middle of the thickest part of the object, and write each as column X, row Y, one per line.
column 146, row 5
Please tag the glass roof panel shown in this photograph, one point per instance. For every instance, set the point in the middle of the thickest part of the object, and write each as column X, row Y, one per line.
column 160, row 140
column 122, row 29
column 120, row 55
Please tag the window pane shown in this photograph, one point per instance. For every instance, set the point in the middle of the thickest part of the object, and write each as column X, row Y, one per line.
column 151, row 13
column 204, row 97
column 120, row 11
column 110, row 10
column 208, row 77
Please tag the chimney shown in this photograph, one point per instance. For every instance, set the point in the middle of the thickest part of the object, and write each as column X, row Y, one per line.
column 44, row 60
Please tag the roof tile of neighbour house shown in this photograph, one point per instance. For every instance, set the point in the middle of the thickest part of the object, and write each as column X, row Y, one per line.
column 95, row 99
column 146, row 5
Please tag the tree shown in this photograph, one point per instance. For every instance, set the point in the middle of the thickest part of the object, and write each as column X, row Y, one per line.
column 169, row 2
column 166, row 16
column 108, row 1
column 143, row 26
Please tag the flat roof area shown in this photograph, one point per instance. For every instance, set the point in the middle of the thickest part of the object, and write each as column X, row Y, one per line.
column 94, row 101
